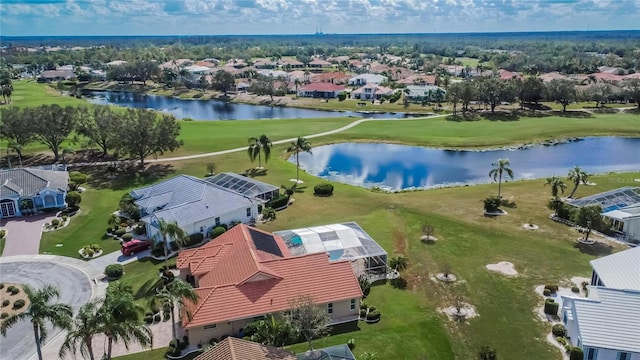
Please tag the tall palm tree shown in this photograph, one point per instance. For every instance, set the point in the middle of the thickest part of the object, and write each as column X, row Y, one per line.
column 85, row 327
column 40, row 312
column 170, row 230
column 298, row 145
column 174, row 295
column 577, row 176
column 556, row 185
column 500, row 167
column 257, row 146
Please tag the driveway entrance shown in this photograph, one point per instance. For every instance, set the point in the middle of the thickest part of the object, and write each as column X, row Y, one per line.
column 23, row 234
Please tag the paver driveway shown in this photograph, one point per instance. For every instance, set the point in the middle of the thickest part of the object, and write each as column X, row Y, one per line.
column 24, row 233
column 75, row 290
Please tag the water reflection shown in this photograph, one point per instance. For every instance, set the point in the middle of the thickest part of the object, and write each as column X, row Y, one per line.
column 396, row 167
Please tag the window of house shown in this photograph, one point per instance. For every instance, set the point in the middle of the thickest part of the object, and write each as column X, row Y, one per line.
column 624, row 356
column 201, row 228
column 210, row 326
column 217, row 220
column 591, row 353
column 353, row 304
column 248, row 211
column 330, row 308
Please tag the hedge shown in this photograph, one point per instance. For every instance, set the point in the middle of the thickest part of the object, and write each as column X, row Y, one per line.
column 373, row 315
column 576, row 353
column 324, row 189
column 552, row 288
column 127, row 237
column 559, row 330
column 279, row 202
column 195, row 239
column 18, row 304
column 217, row 231
column 114, row 271
column 551, row 307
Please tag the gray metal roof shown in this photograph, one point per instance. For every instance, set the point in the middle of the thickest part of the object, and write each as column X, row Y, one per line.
column 187, row 199
column 609, row 319
column 611, row 200
column 620, row 270
column 28, row 181
column 241, row 184
column 337, row 352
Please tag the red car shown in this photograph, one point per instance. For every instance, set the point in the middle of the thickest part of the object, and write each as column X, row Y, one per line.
column 134, row 246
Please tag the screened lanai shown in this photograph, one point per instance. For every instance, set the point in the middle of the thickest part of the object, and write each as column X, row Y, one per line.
column 611, row 200
column 347, row 241
column 244, row 186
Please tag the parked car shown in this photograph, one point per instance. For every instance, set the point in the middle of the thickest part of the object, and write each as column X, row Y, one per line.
column 134, row 246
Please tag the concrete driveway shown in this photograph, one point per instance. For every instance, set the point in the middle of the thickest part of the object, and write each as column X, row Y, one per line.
column 23, row 237
column 71, row 277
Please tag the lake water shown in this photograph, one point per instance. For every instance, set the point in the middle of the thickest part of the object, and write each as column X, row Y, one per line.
column 215, row 109
column 396, row 167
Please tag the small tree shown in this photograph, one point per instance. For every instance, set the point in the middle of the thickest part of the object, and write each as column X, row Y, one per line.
column 398, row 262
column 211, row 167
column 73, row 199
column 446, row 270
column 365, row 285
column 428, row 231
column 487, row 353
column 307, row 318
column 492, row 204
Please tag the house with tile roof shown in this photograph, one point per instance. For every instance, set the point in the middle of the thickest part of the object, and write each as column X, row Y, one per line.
column 28, row 190
column 246, row 274
column 606, row 325
column 319, row 63
column 334, row 77
column 237, row 349
column 196, row 205
column 371, row 92
column 364, row 79
column 321, row 90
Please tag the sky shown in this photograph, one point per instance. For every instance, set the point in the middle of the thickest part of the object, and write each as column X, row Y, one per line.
column 224, row 17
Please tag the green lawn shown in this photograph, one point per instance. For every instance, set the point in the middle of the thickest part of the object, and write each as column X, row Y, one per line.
column 27, row 93
column 155, row 354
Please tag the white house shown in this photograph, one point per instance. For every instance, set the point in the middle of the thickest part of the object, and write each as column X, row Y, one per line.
column 606, row 325
column 618, row 271
column 364, row 79
column 424, row 92
column 371, row 92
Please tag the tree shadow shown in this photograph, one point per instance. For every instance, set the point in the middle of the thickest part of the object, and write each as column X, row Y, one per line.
column 253, row 172
column 502, row 116
column 344, row 328
column 508, row 203
column 595, row 249
column 577, row 114
column 605, row 110
column 537, row 107
column 464, row 117
column 124, row 175
column 633, row 111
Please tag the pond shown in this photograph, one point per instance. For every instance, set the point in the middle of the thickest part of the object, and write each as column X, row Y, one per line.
column 216, row 109
column 397, row 167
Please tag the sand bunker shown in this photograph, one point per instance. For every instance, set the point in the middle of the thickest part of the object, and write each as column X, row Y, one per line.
column 503, row 267
column 467, row 311
column 530, row 226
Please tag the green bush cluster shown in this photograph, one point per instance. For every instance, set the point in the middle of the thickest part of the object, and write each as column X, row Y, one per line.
column 3, row 233
column 575, row 289
column 546, row 292
column 4, row 315
column 268, row 213
column 195, row 239
column 18, row 304
column 15, row 291
column 148, row 319
column 127, row 237
column 551, row 307
column 492, row 204
column 10, row 288
column 552, row 288
column 576, row 353
column 217, row 231
column 114, row 271
column 55, row 222
column 279, row 202
column 373, row 315
column 559, row 330
column 120, row 232
column 1, row 286
column 324, row 189
column 77, row 177
column 140, row 229
column 5, row 303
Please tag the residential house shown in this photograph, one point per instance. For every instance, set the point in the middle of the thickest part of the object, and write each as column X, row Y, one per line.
column 238, row 349
column 418, row 80
column 364, row 79
column 334, row 77
column 319, row 63
column 321, row 90
column 198, row 205
column 27, row 190
column 246, row 274
column 371, row 92
column 508, row 75
column 264, row 63
column 55, row 75
column 289, row 63
column 547, row 77
column 606, row 325
column 620, row 270
column 419, row 93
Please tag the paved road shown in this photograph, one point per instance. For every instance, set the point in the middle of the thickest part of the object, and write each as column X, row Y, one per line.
column 23, row 236
column 72, row 277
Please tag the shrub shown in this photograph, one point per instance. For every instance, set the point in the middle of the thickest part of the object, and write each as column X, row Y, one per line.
column 114, row 271
column 182, row 345
column 546, row 292
column 157, row 318
column 365, row 286
column 552, row 288
column 5, row 303
column 157, row 250
column 195, row 239
column 77, row 177
column 140, row 230
column 575, row 289
column 3, row 233
column 373, row 315
column 65, row 217
column 10, row 288
column 173, row 351
column 4, row 315
column 351, row 344
column 73, row 199
column 148, row 313
column 55, row 222
column 232, row 224
column 372, row 308
column 148, row 319
column 1, row 286
column 213, row 341
column 559, row 330
column 561, row 340
column 551, row 307
column 363, row 305
column 166, row 314
column 127, row 237
column 217, row 231
column 168, row 274
column 491, row 204
column 120, row 232
column 279, row 202
column 15, row 291
column 576, row 354
column 342, row 96
column 268, row 213
column 185, row 338
column 584, row 285
column 18, row 304
column 363, row 313
column 324, row 189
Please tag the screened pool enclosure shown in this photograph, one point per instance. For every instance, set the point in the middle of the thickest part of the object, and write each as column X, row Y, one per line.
column 243, row 185
column 346, row 241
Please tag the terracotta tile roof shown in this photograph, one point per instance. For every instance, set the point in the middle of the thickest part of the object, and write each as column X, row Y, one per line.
column 322, row 86
column 607, row 77
column 376, row 89
column 237, row 280
column 328, row 76
column 319, row 62
column 237, row 349
column 508, row 75
column 412, row 79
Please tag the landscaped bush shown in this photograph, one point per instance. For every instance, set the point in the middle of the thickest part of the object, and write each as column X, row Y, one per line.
column 173, row 351
column 559, row 330
column 373, row 315
column 217, row 231
column 342, row 96
column 10, row 288
column 166, row 314
column 4, row 315
column 73, row 199
column 157, row 318
column 15, row 291
column 363, row 313
column 552, row 288
column 140, row 230
column 120, row 232
column 77, row 177
column 148, row 319
column 182, row 345
column 575, row 289
column 372, row 308
column 195, row 239
column 18, row 304
column 127, row 237
column 351, row 344
column 324, row 189
column 491, row 204
column 3, row 233
column 268, row 214
column 90, row 250
column 213, row 341
column 551, row 307
column 55, row 222
column 546, row 292
column 114, row 271
column 168, row 274
column 232, row 224
column 576, row 354
column 157, row 250
column 279, row 202
column 1, row 286
column 5, row 303
column 561, row 340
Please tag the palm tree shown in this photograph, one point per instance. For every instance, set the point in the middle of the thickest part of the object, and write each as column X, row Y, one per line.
column 81, row 334
column 257, row 146
column 500, row 167
column 170, row 230
column 577, row 176
column 556, row 185
column 300, row 144
column 40, row 312
column 174, row 294
column 398, row 262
